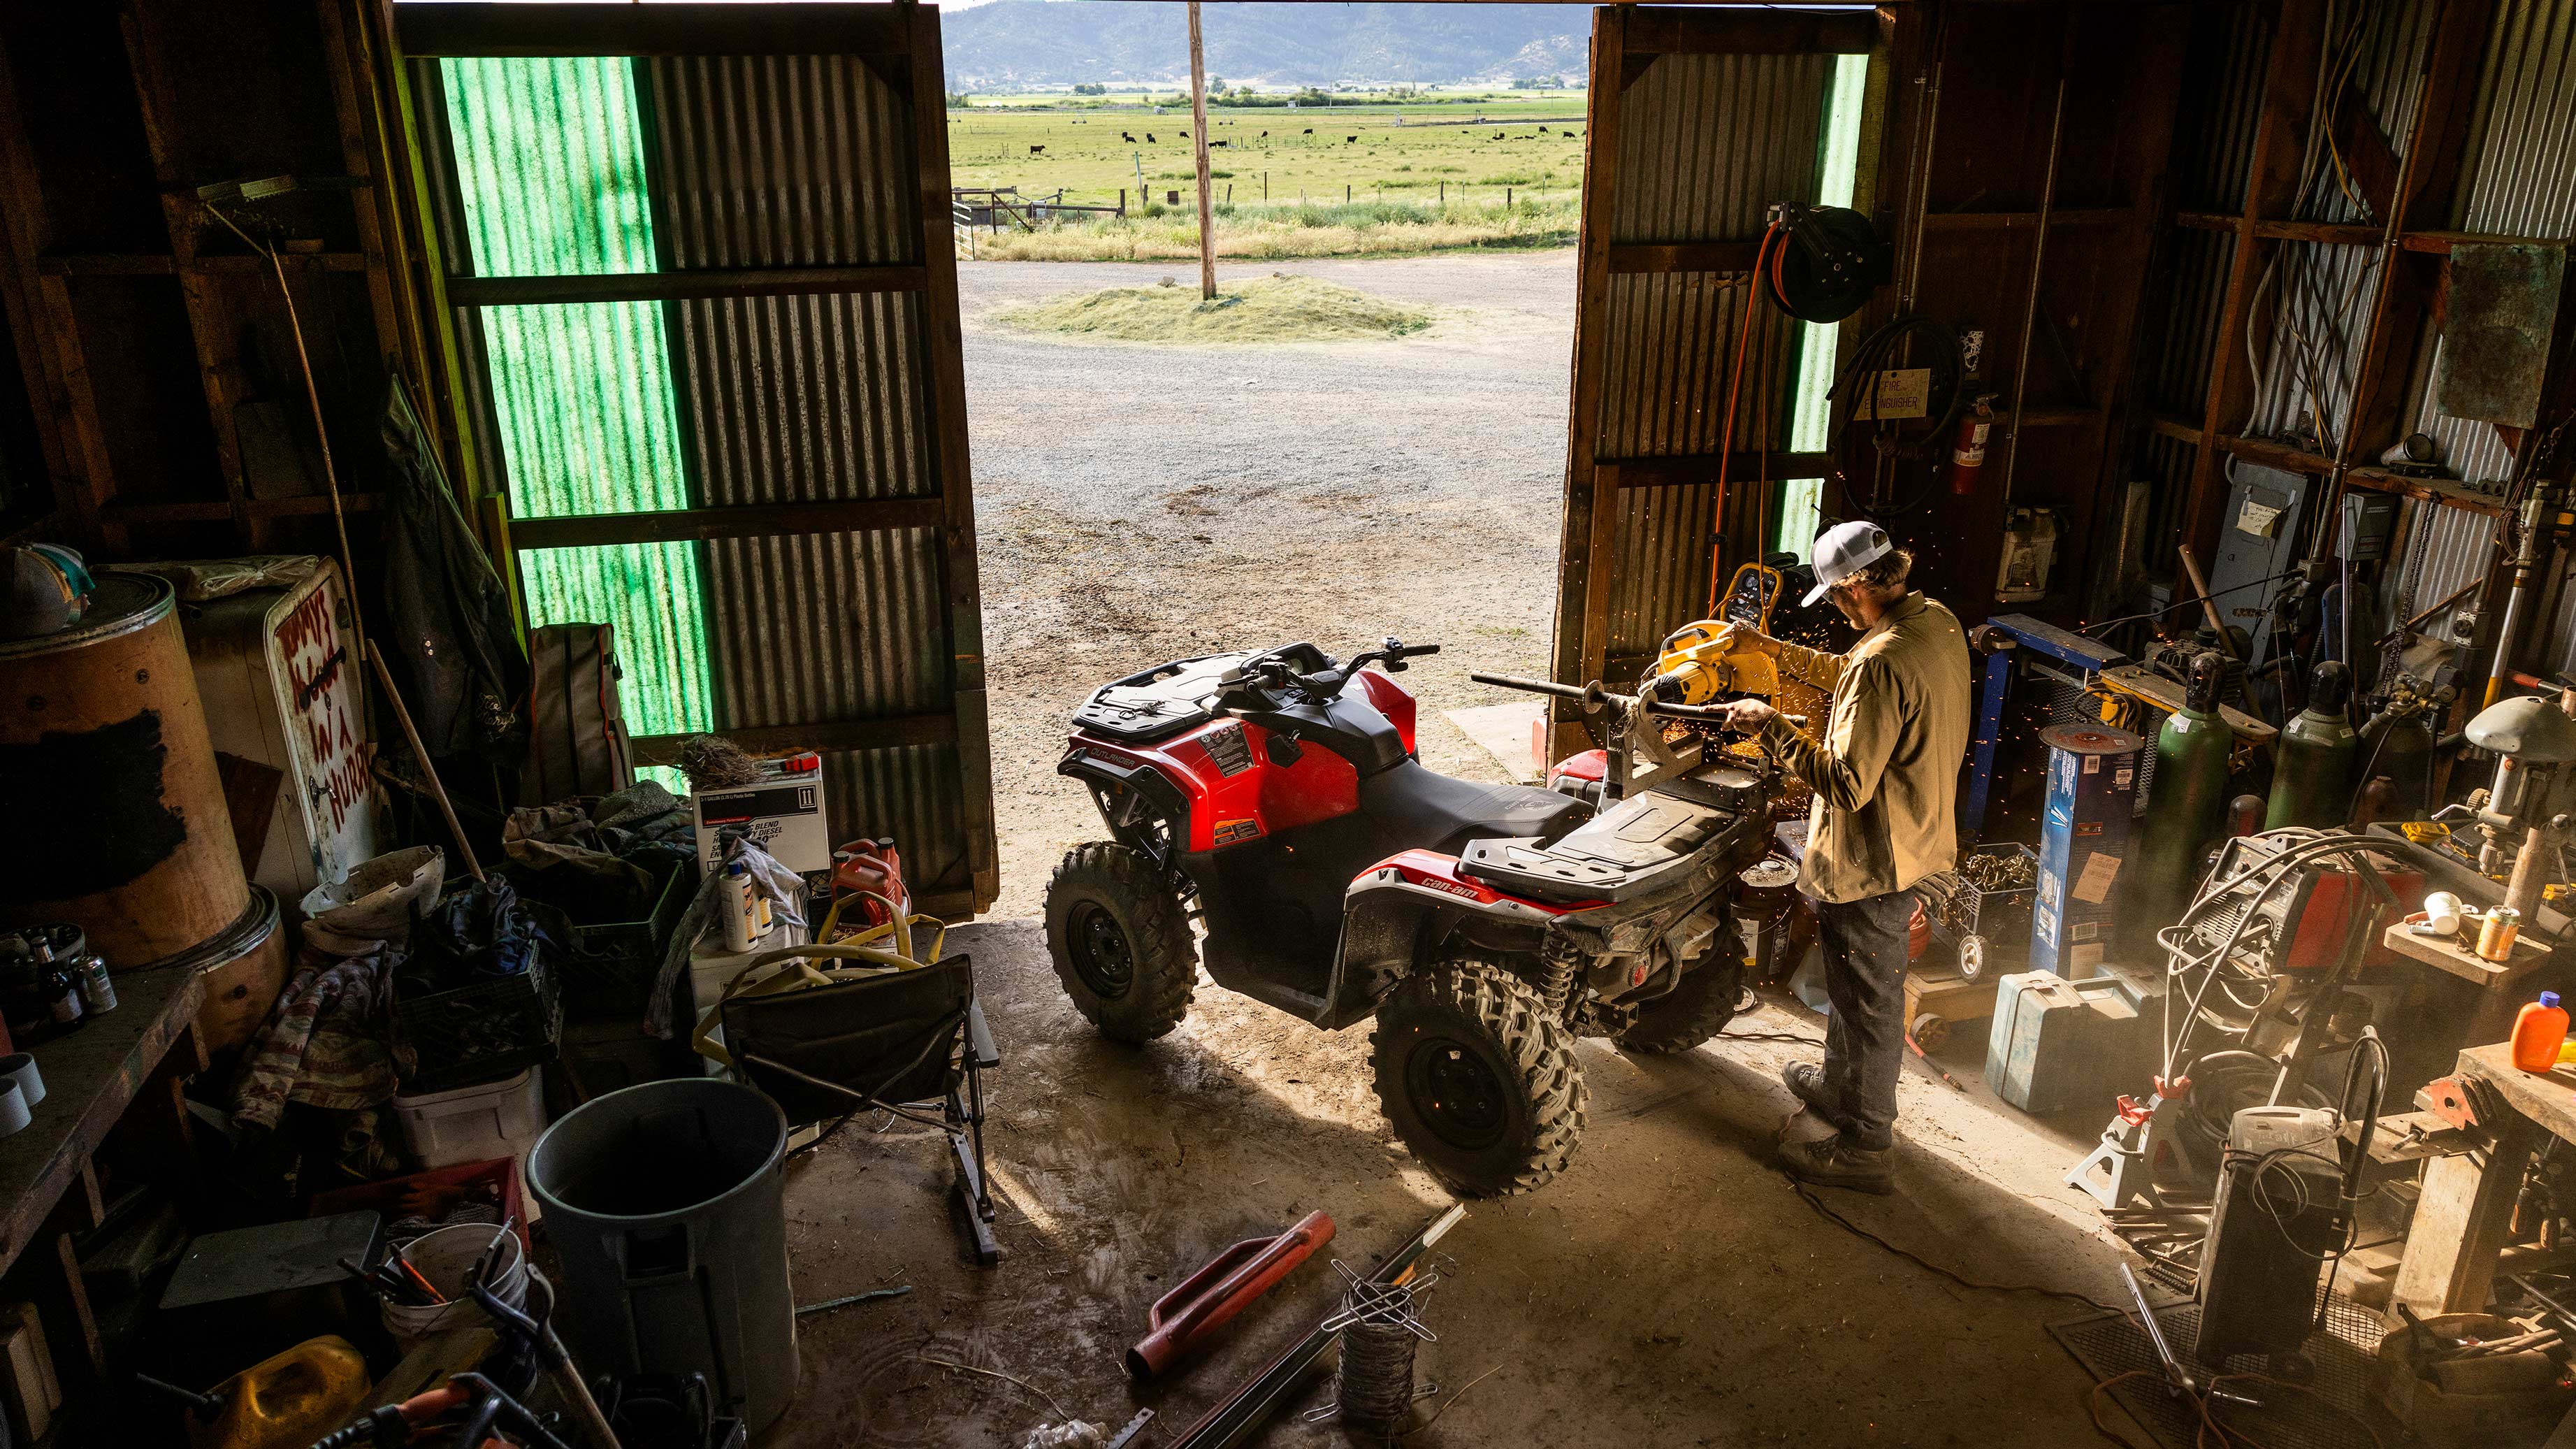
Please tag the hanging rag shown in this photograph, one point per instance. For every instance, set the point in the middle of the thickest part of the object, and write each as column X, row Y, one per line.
column 325, row 1041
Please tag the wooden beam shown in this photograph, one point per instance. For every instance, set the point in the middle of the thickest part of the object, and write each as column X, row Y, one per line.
column 1686, row 470
column 2435, row 242
column 944, row 362
column 750, row 520
column 684, row 285
column 44, row 332
column 128, row 511
column 2097, row 216
column 1643, row 258
column 2271, row 189
column 1663, row 30
column 211, row 325
column 467, row 27
column 828, row 736
column 1583, row 553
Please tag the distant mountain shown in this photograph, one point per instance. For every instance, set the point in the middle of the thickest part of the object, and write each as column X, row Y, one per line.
column 1071, row 42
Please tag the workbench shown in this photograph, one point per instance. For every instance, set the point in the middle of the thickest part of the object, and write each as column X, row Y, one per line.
column 116, row 1080
column 2462, row 1219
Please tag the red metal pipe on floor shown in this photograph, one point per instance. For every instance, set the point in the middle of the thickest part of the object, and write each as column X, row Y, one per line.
column 1212, row 1296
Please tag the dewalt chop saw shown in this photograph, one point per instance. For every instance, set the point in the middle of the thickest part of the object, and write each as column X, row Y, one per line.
column 1689, row 667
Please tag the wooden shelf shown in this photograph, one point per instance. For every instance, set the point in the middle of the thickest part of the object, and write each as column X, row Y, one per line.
column 218, row 510
column 2459, row 961
column 2448, row 492
column 158, row 264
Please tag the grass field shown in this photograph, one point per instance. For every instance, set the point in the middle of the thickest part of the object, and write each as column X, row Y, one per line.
column 1276, row 308
column 1276, row 157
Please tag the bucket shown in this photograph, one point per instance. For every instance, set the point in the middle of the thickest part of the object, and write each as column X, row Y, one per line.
column 667, row 1202
column 446, row 1256
column 244, row 968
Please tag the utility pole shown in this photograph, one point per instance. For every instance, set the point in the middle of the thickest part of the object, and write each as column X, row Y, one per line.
column 1198, row 134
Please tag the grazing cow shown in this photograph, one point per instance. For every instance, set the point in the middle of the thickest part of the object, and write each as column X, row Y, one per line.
column 1350, row 140
column 1185, row 135
column 1265, row 135
column 1542, row 130
column 1033, row 150
column 1310, row 130
column 1123, row 136
column 1149, row 136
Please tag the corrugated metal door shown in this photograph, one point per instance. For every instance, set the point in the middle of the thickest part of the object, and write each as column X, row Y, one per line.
column 1699, row 120
column 700, row 269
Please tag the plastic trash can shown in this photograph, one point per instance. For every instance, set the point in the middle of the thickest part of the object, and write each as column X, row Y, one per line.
column 668, row 1204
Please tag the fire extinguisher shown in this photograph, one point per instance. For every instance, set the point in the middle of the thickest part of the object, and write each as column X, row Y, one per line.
column 1968, row 452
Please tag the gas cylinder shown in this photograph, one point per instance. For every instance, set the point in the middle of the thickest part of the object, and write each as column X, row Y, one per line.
column 2189, row 801
column 2398, row 746
column 2312, row 771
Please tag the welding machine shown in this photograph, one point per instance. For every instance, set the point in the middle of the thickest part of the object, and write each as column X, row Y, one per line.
column 2283, row 1211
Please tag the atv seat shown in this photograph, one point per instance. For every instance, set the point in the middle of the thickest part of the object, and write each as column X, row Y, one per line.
column 1438, row 812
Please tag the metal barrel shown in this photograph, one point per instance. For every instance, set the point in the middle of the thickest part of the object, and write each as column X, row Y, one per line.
column 117, row 808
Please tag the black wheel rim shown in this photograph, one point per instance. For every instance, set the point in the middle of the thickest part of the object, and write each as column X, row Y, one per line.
column 1459, row 1097
column 1101, row 955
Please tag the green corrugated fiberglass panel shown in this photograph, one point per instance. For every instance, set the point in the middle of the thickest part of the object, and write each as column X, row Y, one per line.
column 550, row 162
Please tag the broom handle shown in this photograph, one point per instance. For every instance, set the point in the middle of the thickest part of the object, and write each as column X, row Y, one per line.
column 437, row 791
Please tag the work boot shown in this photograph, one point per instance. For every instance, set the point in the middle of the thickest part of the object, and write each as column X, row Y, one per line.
column 1806, row 1082
column 1839, row 1162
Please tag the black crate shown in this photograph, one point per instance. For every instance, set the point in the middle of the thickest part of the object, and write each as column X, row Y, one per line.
column 611, row 969
column 1958, row 909
column 481, row 1030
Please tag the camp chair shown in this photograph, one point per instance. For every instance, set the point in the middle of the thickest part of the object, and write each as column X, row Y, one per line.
column 829, row 1041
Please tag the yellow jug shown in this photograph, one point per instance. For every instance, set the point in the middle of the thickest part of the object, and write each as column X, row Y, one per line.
column 288, row 1401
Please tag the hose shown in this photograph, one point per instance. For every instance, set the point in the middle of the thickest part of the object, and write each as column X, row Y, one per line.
column 1947, row 389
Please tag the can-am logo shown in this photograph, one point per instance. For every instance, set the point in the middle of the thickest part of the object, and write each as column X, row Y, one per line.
column 1465, row 892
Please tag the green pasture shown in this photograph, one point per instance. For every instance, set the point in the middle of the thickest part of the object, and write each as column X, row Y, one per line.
column 1301, row 155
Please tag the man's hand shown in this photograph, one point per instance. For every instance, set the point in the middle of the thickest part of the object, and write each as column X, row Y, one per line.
column 1748, row 716
column 1745, row 639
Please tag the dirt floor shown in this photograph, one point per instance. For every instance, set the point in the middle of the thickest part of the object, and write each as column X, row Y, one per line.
column 1137, row 504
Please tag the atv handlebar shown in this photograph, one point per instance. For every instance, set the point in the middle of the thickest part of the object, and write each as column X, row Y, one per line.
column 1593, row 697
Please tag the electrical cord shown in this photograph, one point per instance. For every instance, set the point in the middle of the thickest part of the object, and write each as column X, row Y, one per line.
column 1859, row 383
column 2191, row 603
column 1825, row 1211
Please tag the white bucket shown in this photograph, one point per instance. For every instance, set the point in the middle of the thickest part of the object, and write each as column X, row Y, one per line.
column 446, row 1256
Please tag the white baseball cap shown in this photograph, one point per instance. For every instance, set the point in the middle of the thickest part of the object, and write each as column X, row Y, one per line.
column 1844, row 550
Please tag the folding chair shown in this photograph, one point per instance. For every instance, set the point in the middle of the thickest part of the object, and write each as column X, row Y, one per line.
column 846, row 1041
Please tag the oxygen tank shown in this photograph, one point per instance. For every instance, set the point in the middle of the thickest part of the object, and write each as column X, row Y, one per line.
column 2188, row 804
column 2312, row 772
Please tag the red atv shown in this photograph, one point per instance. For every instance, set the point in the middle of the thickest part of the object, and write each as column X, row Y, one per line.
column 1277, row 797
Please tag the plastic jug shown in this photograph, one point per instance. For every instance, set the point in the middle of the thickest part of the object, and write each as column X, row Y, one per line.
column 288, row 1401
column 2538, row 1029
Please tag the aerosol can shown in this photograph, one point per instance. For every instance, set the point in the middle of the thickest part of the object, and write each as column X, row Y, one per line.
column 2312, row 771
column 2189, row 801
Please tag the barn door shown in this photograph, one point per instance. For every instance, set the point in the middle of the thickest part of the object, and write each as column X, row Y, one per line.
column 1699, row 121
column 705, row 300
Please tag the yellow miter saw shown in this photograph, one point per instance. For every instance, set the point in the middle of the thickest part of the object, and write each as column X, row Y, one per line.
column 1691, row 667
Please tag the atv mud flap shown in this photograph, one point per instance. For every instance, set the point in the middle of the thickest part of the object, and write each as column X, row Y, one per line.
column 1401, row 910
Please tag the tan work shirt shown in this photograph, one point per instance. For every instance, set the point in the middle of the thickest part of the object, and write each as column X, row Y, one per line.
column 1887, row 775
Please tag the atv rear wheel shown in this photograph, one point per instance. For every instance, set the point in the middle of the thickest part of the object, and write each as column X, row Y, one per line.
column 1696, row 1009
column 1121, row 942
column 1478, row 1079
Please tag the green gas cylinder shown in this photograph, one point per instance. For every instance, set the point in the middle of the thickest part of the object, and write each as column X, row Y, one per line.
column 2188, row 803
column 2312, row 771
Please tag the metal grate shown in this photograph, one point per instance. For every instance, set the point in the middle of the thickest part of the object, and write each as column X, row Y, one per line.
column 2112, row 1344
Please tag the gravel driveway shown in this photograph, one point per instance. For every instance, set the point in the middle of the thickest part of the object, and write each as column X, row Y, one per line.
column 1137, row 503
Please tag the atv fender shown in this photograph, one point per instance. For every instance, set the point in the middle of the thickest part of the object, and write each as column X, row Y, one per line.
column 1396, row 911
column 1094, row 768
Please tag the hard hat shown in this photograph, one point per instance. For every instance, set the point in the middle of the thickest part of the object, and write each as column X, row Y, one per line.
column 1844, row 550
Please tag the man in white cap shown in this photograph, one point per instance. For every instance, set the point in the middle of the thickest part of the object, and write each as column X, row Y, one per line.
column 1886, row 779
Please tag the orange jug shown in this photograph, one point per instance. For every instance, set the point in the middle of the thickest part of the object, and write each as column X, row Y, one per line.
column 288, row 1401
column 2538, row 1030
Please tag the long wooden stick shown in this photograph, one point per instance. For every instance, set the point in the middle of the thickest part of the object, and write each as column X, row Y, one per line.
column 411, row 732
column 1198, row 133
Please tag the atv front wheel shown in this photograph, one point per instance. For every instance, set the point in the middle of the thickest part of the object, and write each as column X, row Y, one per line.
column 1696, row 1009
column 1478, row 1079
column 1121, row 942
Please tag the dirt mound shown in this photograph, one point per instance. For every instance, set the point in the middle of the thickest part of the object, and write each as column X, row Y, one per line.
column 1277, row 308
